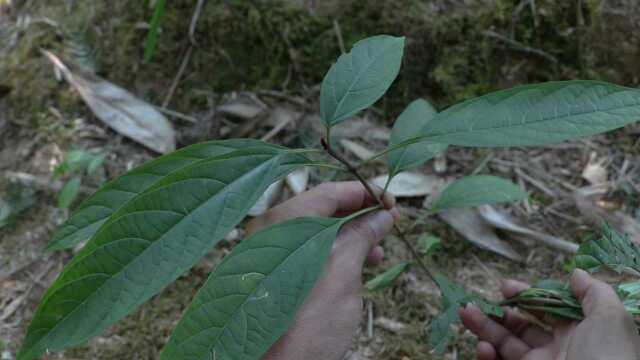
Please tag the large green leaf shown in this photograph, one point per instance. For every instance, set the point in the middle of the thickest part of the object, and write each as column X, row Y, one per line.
column 251, row 298
column 411, row 122
column 94, row 211
column 150, row 241
column 360, row 77
column 477, row 190
column 536, row 114
column 439, row 332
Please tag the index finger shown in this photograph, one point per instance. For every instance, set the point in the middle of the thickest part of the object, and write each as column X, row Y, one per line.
column 328, row 199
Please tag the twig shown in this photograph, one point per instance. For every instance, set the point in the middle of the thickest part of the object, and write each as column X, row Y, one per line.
column 519, row 46
column 401, row 234
column 187, row 56
column 194, row 22
column 276, row 129
column 176, row 79
column 40, row 182
column 177, row 115
column 336, row 28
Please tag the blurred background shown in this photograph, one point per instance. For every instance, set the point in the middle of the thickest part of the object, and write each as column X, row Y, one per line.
column 91, row 89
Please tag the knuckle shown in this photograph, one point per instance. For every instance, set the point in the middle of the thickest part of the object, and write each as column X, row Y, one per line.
column 364, row 229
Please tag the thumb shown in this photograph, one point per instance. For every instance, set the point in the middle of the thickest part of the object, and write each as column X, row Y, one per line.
column 360, row 235
column 594, row 295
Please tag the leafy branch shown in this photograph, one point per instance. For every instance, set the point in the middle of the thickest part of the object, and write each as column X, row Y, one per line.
column 152, row 224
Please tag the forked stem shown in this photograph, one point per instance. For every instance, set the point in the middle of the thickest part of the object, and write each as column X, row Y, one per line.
column 401, row 234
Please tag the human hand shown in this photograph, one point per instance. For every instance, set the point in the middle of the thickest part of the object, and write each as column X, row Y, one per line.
column 607, row 332
column 325, row 325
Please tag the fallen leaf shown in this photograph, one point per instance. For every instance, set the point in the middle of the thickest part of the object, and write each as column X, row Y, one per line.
column 408, row 184
column 587, row 199
column 391, row 325
column 595, row 172
column 298, row 180
column 118, row 108
column 360, row 151
column 267, row 199
column 504, row 222
column 469, row 224
column 243, row 106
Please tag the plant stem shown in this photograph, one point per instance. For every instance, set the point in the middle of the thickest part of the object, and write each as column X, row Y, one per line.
column 401, row 234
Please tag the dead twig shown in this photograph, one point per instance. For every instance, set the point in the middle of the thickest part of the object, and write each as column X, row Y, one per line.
column 187, row 56
column 177, row 115
column 273, row 132
column 176, row 79
column 519, row 46
column 336, row 29
column 40, row 182
column 194, row 22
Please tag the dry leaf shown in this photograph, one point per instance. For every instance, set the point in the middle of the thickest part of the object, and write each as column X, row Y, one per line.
column 298, row 180
column 504, row 222
column 360, row 151
column 408, row 184
column 468, row 223
column 243, row 106
column 267, row 199
column 391, row 325
column 595, row 172
column 119, row 109
column 440, row 163
column 587, row 199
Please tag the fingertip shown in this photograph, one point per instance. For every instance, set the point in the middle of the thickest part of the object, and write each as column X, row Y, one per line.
column 511, row 288
column 485, row 351
column 389, row 200
column 375, row 256
column 471, row 316
column 580, row 281
column 395, row 213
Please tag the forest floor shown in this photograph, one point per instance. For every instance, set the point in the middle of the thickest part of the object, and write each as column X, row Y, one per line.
column 269, row 58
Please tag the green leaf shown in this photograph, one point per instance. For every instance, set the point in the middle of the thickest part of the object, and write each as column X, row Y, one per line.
column 251, row 298
column 536, row 114
column 150, row 241
column 359, row 78
column 439, row 332
column 409, row 123
column 415, row 117
column 388, row 277
column 94, row 211
column 69, row 192
column 428, row 244
column 611, row 250
column 17, row 198
column 95, row 163
column 154, row 29
column 477, row 190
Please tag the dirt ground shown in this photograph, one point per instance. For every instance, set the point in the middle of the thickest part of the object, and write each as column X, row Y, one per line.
column 274, row 54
